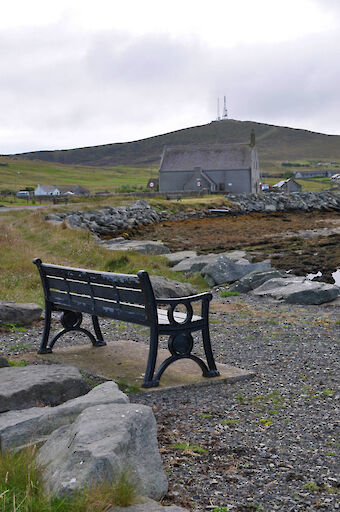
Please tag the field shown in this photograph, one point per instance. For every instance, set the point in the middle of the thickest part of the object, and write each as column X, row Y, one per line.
column 22, row 173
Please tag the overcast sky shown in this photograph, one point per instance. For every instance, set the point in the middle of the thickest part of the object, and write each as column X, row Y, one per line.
column 81, row 73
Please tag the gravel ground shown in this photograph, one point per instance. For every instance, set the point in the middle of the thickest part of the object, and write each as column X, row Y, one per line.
column 270, row 443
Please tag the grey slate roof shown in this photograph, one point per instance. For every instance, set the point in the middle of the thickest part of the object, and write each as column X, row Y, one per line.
column 207, row 157
column 76, row 189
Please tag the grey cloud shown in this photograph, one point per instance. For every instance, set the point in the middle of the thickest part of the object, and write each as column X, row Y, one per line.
column 72, row 89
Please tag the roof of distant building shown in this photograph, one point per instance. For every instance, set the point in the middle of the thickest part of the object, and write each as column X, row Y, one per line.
column 206, row 157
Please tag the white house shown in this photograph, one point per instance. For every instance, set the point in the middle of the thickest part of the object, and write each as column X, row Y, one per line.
column 46, row 190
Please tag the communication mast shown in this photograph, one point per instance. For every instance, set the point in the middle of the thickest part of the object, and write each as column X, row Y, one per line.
column 225, row 111
column 218, row 110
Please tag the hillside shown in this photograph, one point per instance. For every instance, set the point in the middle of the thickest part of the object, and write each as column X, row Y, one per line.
column 274, row 143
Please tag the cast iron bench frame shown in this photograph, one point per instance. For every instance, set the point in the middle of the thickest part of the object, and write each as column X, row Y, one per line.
column 129, row 298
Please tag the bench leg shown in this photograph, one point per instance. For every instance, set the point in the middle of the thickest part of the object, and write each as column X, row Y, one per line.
column 43, row 349
column 149, row 381
column 100, row 340
column 213, row 372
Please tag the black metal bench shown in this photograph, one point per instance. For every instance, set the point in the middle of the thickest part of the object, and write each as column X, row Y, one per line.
column 129, row 298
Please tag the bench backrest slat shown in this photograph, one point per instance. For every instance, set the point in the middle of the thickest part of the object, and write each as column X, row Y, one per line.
column 84, row 275
column 109, row 292
column 125, row 312
column 106, row 294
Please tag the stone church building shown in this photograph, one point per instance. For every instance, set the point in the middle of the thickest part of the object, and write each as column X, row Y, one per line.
column 214, row 167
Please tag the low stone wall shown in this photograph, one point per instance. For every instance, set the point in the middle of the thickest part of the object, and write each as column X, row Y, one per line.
column 110, row 221
column 275, row 201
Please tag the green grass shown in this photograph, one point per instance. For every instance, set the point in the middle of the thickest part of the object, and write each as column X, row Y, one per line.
column 229, row 294
column 21, row 489
column 26, row 235
column 189, row 448
column 22, row 173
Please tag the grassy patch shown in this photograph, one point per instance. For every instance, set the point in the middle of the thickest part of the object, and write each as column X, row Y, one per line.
column 127, row 388
column 12, row 327
column 229, row 422
column 18, row 363
column 21, row 489
column 229, row 294
column 189, row 448
column 206, row 416
column 26, row 235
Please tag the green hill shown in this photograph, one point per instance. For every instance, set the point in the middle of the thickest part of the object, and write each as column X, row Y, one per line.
column 274, row 143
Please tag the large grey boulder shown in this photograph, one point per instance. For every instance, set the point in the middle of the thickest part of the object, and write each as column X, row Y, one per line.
column 298, row 290
column 176, row 257
column 21, row 313
column 29, row 386
column 194, row 264
column 4, row 362
column 103, row 442
column 164, row 287
column 254, row 280
column 32, row 426
column 141, row 246
column 224, row 270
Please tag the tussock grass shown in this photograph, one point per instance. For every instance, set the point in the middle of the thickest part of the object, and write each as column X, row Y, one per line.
column 26, row 235
column 21, row 489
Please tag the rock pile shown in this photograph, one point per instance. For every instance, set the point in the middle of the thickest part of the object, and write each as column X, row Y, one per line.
column 78, row 450
column 279, row 202
column 109, row 221
column 234, row 268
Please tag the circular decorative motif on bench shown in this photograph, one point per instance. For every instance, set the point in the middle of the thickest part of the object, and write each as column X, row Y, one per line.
column 181, row 344
column 172, row 313
column 70, row 319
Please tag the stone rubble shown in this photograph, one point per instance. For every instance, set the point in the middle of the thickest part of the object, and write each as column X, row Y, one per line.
column 280, row 202
column 110, row 221
column 19, row 428
column 78, row 450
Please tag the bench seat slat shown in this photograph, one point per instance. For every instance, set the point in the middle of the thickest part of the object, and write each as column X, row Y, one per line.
column 178, row 316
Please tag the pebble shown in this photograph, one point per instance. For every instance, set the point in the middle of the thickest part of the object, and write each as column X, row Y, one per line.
column 279, row 430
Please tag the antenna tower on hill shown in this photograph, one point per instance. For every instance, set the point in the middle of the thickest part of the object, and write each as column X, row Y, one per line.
column 225, row 111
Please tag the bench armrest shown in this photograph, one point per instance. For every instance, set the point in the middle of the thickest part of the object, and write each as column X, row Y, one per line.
column 172, row 303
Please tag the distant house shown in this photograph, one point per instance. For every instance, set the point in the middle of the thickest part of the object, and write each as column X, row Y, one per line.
column 313, row 173
column 77, row 190
column 214, row 167
column 49, row 190
column 46, row 190
column 288, row 186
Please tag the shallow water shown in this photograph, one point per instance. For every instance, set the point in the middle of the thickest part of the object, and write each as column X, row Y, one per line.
column 335, row 275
